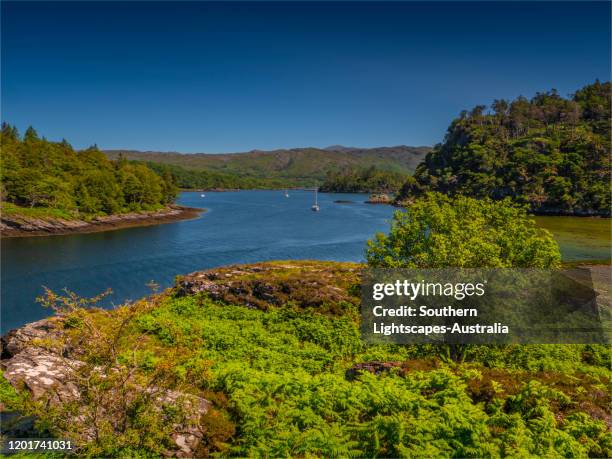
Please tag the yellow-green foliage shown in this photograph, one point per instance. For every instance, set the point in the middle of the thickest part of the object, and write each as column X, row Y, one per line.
column 121, row 383
column 283, row 383
column 9, row 397
column 283, row 373
column 437, row 232
column 8, row 209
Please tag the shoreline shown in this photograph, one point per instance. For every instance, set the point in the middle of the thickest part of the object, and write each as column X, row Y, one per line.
column 540, row 212
column 19, row 226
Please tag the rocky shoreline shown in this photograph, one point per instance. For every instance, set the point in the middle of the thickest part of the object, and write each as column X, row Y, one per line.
column 21, row 226
column 539, row 212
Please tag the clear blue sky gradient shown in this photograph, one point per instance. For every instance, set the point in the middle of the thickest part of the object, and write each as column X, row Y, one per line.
column 224, row 77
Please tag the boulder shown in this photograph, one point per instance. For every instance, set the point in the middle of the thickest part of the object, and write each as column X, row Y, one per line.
column 19, row 339
column 42, row 374
column 267, row 285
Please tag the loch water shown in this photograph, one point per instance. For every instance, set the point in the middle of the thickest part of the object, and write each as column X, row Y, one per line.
column 237, row 227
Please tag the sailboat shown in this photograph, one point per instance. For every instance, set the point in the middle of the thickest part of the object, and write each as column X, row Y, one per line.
column 286, row 193
column 315, row 207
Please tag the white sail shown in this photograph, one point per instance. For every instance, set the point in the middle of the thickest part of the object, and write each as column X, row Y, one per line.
column 315, row 207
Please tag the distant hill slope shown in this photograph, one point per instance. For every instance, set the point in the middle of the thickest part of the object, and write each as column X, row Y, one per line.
column 299, row 166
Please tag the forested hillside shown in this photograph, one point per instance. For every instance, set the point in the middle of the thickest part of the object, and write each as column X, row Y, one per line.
column 212, row 180
column 366, row 180
column 550, row 152
column 37, row 173
column 299, row 167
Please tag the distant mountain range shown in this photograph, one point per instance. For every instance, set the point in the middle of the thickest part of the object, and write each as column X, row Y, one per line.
column 299, row 165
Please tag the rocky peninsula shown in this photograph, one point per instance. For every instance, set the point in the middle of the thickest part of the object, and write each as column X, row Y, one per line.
column 15, row 225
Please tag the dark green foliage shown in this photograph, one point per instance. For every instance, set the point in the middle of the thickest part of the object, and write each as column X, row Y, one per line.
column 37, row 173
column 210, row 180
column 363, row 180
column 549, row 152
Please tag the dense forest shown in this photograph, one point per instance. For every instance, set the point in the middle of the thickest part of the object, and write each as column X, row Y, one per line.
column 37, row 173
column 366, row 180
column 550, row 152
column 211, row 180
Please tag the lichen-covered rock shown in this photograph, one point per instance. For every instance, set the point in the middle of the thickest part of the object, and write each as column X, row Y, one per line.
column 42, row 374
column 379, row 198
column 28, row 365
column 21, row 338
column 306, row 284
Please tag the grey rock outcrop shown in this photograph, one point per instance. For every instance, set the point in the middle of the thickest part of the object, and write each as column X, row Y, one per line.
column 28, row 365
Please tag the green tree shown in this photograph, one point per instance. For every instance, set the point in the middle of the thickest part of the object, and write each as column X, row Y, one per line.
column 52, row 192
column 169, row 188
column 438, row 231
column 30, row 135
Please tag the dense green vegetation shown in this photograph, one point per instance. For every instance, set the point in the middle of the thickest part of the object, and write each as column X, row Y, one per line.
column 438, row 231
column 363, row 180
column 195, row 179
column 284, row 375
column 550, row 152
column 296, row 167
column 55, row 180
column 283, row 384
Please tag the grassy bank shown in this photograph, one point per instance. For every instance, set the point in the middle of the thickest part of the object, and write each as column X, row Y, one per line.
column 8, row 209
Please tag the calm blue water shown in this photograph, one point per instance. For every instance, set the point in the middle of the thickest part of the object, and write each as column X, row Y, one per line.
column 240, row 227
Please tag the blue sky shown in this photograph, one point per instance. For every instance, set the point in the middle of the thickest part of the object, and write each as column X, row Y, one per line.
column 224, row 77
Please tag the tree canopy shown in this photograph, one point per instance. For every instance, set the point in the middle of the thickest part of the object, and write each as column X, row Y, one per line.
column 438, row 231
column 40, row 173
column 550, row 152
column 366, row 180
column 210, row 179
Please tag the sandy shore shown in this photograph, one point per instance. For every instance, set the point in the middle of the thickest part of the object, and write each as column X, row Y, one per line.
column 20, row 226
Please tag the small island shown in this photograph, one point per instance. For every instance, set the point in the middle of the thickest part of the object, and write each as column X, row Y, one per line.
column 379, row 198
